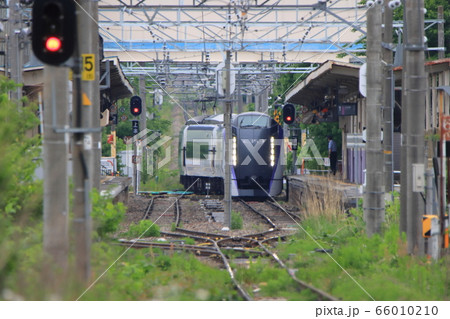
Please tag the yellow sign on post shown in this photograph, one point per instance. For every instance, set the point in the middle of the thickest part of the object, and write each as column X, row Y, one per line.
column 88, row 70
column 426, row 225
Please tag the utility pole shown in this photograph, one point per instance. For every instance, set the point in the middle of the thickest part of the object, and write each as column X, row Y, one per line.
column 374, row 192
column 240, row 106
column 143, row 119
column 414, row 95
column 56, row 181
column 14, row 52
column 403, row 160
column 86, row 117
column 441, row 42
column 91, row 46
column 227, row 123
column 388, row 93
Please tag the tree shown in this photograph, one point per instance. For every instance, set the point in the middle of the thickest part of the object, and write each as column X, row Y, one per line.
column 19, row 154
column 432, row 33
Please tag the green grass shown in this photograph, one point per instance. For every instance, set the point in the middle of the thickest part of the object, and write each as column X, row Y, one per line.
column 162, row 180
column 236, row 220
column 145, row 228
column 358, row 268
column 152, row 275
column 379, row 265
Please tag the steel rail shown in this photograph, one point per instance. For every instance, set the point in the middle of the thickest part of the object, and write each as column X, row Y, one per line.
column 240, row 289
column 267, row 219
column 185, row 247
column 149, row 209
column 322, row 294
column 277, row 206
column 204, row 234
column 177, row 213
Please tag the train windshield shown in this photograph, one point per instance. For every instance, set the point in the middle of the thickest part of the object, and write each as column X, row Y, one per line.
column 197, row 144
column 253, row 121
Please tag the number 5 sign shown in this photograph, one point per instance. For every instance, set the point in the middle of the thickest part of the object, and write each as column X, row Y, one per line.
column 88, row 71
column 445, row 127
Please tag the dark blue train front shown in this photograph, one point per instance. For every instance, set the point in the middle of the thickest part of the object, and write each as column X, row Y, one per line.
column 257, row 156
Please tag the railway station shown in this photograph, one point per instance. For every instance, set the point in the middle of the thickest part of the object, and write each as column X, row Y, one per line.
column 237, row 150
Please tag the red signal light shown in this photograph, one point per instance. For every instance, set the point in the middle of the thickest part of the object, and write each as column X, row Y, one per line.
column 288, row 113
column 54, row 23
column 53, row 44
column 135, row 105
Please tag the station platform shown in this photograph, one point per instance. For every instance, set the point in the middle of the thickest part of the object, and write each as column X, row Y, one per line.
column 301, row 187
column 115, row 187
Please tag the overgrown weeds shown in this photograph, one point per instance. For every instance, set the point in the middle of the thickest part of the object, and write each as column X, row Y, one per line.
column 323, row 201
column 105, row 214
column 236, row 220
column 362, row 268
column 144, row 228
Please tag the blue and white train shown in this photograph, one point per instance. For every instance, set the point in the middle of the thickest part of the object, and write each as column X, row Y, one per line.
column 257, row 155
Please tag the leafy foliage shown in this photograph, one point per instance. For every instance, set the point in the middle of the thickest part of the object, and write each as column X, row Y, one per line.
column 20, row 154
column 286, row 81
column 319, row 133
column 20, row 193
column 145, row 228
column 105, row 215
column 432, row 33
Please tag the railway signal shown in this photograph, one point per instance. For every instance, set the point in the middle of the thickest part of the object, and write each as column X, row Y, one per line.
column 135, row 105
column 288, row 113
column 54, row 30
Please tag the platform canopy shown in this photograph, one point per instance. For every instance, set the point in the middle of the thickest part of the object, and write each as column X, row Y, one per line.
column 329, row 80
column 118, row 86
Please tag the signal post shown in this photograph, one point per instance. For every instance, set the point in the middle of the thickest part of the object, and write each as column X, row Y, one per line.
column 53, row 40
column 64, row 29
column 135, row 110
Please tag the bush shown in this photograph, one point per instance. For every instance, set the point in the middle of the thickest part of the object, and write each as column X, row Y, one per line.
column 20, row 193
column 236, row 220
column 145, row 228
column 105, row 215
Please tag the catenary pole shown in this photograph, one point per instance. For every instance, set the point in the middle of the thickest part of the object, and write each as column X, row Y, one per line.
column 441, row 35
column 374, row 192
column 227, row 123
column 388, row 94
column 414, row 95
column 86, row 116
column 14, row 51
column 403, row 158
column 143, row 120
column 91, row 46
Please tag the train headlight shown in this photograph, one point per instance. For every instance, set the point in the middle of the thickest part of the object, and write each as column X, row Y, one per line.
column 272, row 151
column 234, row 151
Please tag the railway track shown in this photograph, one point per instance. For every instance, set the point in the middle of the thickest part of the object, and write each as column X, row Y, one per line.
column 274, row 214
column 162, row 211
column 167, row 212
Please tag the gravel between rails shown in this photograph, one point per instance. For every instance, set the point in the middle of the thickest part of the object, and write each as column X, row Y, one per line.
column 194, row 216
